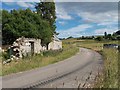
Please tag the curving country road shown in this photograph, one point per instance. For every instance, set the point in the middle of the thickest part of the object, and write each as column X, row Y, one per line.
column 67, row 73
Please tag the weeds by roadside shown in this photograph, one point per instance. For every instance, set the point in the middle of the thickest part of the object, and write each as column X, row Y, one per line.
column 40, row 60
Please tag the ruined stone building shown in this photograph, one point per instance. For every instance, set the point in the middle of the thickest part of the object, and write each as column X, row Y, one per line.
column 25, row 46
column 29, row 46
column 55, row 44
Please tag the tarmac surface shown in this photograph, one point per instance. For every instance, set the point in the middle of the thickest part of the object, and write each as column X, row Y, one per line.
column 79, row 70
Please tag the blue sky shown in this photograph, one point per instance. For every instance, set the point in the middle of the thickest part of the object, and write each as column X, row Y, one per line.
column 78, row 18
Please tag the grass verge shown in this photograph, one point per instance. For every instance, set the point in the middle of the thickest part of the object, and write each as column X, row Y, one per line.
column 109, row 78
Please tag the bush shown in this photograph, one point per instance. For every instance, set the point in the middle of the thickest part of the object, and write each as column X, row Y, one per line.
column 52, row 53
column 5, row 56
column 99, row 38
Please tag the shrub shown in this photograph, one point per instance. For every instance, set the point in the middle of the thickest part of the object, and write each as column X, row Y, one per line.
column 99, row 38
column 52, row 53
column 5, row 56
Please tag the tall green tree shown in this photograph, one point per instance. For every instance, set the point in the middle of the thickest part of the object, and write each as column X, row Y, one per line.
column 105, row 35
column 0, row 16
column 47, row 12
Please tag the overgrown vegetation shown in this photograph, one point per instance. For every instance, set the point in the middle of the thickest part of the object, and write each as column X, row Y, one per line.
column 5, row 56
column 51, row 52
column 110, row 78
column 0, row 64
column 40, row 60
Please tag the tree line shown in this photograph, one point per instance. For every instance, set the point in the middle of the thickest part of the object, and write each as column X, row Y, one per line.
column 114, row 36
column 105, row 37
column 30, row 24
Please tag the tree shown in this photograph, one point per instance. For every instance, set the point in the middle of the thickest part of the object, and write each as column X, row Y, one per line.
column 7, row 29
column 47, row 12
column 109, row 36
column 82, row 37
column 99, row 38
column 0, row 27
column 0, row 16
column 105, row 35
column 25, row 23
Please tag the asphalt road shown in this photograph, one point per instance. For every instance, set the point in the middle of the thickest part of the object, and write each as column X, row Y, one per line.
column 68, row 73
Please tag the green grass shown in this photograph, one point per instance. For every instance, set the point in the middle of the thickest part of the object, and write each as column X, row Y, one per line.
column 95, row 45
column 40, row 60
column 92, row 44
column 110, row 68
column 0, row 64
column 109, row 78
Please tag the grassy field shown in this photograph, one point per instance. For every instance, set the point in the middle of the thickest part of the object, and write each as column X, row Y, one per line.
column 91, row 44
column 40, row 60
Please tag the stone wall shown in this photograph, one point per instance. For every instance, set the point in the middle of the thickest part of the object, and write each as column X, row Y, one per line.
column 25, row 46
column 55, row 45
column 0, row 49
column 37, row 46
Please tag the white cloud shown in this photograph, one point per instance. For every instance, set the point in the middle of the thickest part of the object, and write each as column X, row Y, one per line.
column 9, row 3
column 8, row 0
column 25, row 4
column 89, row 11
column 65, row 17
column 107, row 23
column 62, row 14
column 102, row 13
column 20, row 0
column 62, row 22
column 75, row 31
column 104, row 18
column 21, row 4
column 102, row 30
column 62, row 0
column 87, row 0
column 107, row 19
